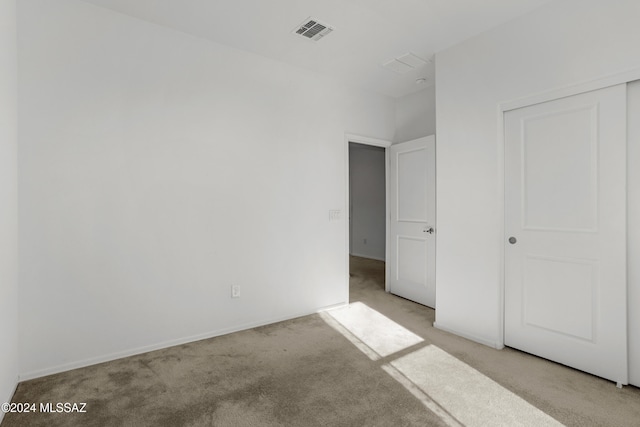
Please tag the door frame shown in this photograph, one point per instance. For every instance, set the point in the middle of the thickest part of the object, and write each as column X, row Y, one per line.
column 626, row 76
column 365, row 140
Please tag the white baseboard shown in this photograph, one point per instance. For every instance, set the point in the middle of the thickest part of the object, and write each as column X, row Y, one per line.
column 10, row 397
column 165, row 344
column 469, row 336
column 368, row 256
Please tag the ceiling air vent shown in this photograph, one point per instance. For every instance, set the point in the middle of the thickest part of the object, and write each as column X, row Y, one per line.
column 313, row 29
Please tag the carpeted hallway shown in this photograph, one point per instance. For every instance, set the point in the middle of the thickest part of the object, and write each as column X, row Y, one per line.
column 378, row 362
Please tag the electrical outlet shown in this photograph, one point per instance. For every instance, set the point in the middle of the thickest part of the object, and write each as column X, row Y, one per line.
column 235, row 291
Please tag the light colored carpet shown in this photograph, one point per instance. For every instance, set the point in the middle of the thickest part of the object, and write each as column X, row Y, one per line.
column 378, row 362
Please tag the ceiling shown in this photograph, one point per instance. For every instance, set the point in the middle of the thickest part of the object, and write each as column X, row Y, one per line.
column 367, row 33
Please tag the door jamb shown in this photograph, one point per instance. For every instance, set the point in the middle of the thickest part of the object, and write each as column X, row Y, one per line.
column 625, row 76
column 359, row 139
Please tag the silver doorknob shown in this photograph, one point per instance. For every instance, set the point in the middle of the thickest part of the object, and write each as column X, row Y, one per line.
column 512, row 240
column 429, row 230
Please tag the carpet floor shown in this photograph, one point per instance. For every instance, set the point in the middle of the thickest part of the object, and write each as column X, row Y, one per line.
column 378, row 362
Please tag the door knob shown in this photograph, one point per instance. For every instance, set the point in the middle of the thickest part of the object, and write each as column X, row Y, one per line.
column 429, row 230
column 512, row 240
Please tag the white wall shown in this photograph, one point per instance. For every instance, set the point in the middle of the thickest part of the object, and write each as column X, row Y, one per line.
column 563, row 43
column 8, row 203
column 156, row 170
column 416, row 115
column 367, row 195
column 633, row 224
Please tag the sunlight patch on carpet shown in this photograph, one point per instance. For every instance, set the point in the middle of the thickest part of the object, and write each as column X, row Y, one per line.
column 424, row 398
column 349, row 336
column 379, row 333
column 454, row 391
column 466, row 394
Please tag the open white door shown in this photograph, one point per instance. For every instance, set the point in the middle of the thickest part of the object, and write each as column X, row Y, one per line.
column 412, row 243
column 565, row 219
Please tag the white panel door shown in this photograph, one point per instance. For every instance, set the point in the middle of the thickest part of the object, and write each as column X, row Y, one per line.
column 412, row 243
column 633, row 179
column 565, row 219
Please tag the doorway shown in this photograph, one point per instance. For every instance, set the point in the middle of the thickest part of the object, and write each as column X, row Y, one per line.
column 367, row 201
column 409, row 214
column 363, row 155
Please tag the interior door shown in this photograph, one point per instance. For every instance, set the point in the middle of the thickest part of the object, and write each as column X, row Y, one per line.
column 565, row 219
column 633, row 239
column 412, row 243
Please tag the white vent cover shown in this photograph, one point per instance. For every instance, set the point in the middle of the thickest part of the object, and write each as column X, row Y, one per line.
column 405, row 63
column 313, row 29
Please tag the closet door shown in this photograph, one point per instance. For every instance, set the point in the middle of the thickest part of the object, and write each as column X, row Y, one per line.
column 565, row 219
column 633, row 174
